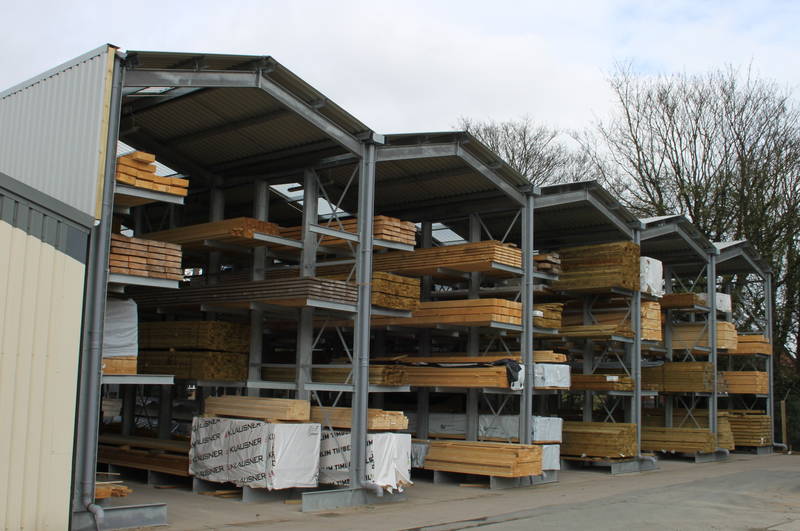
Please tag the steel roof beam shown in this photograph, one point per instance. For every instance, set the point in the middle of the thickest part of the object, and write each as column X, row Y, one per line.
column 731, row 254
column 187, row 78
column 623, row 227
column 547, row 201
column 492, row 176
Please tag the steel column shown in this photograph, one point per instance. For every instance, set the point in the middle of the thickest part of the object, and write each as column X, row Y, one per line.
column 668, row 399
column 308, row 266
column 366, row 205
column 164, row 411
column 473, row 341
column 769, row 310
column 424, row 394
column 711, row 281
column 636, row 356
column 260, row 212
column 526, row 341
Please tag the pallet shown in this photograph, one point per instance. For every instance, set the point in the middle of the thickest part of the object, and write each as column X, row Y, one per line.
column 145, row 258
column 251, row 407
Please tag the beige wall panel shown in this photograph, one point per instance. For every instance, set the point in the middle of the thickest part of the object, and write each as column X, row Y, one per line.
column 40, row 328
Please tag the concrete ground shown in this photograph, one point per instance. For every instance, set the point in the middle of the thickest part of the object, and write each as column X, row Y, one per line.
column 746, row 492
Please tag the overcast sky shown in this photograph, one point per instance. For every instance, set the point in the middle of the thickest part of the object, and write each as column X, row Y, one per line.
column 404, row 66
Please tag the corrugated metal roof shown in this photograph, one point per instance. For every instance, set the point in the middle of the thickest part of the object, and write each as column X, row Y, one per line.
column 740, row 257
column 53, row 129
column 672, row 245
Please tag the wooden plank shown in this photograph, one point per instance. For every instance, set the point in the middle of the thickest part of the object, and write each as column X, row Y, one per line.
column 258, row 408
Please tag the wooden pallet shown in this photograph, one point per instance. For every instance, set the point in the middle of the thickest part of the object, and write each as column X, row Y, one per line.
column 253, row 407
column 484, row 458
column 598, row 268
column 342, row 417
column 195, row 365
column 599, row 439
column 285, row 292
column 145, row 258
column 194, row 335
column 746, row 382
column 234, row 231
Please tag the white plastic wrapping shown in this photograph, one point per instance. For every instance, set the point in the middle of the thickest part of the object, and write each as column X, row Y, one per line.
column 120, row 328
column 255, row 454
column 551, row 375
column 723, row 301
column 651, row 276
column 388, row 459
column 551, row 457
column 545, row 429
column 208, row 459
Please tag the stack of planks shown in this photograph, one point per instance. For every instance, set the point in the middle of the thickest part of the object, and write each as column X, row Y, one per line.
column 683, row 440
column 551, row 315
column 286, row 292
column 539, row 356
column 145, row 453
column 600, row 331
column 145, row 258
column 599, row 268
column 392, row 291
column 675, row 301
column 548, row 263
column 698, row 419
column 749, row 344
column 342, row 417
column 383, row 228
column 119, row 365
column 686, row 336
column 253, row 407
column 746, row 382
column 110, row 489
column 234, row 231
column 750, row 428
column 599, row 439
column 378, row 374
column 484, row 458
column 468, row 312
column 199, row 350
column 422, row 376
column 617, row 312
column 601, row 382
column 138, row 169
column 680, row 377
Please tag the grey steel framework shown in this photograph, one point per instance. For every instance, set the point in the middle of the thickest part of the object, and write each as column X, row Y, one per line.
column 740, row 259
column 689, row 258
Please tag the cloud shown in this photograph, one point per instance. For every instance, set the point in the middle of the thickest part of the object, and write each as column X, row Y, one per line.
column 416, row 66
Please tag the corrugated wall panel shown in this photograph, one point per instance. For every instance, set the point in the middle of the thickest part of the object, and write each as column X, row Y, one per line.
column 40, row 324
column 53, row 130
column 42, row 278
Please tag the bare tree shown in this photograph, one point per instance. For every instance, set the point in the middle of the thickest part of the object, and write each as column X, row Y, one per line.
column 533, row 150
column 722, row 148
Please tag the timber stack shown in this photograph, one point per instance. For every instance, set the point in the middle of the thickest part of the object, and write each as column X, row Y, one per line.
column 615, row 311
column 138, row 169
column 548, row 263
column 252, row 407
column 378, row 375
column 484, row 458
column 678, row 301
column 750, row 428
column 392, row 291
column 195, row 350
column 342, row 417
column 687, row 336
column 383, row 228
column 683, row 440
column 698, row 419
column 145, row 453
column 611, row 440
column 599, row 268
column 751, row 344
column 286, row 292
column 145, row 258
column 601, row 382
column 680, row 377
column 746, row 382
column 235, row 231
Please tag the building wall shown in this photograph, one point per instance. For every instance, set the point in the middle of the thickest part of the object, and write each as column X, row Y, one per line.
column 42, row 277
column 54, row 130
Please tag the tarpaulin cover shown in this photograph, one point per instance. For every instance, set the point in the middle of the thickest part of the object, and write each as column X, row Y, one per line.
column 120, row 328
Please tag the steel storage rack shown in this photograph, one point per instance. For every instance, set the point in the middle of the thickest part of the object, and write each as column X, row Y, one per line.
column 580, row 214
column 689, row 261
column 737, row 265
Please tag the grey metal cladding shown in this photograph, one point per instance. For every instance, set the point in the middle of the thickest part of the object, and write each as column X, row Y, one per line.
column 43, row 222
column 51, row 128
